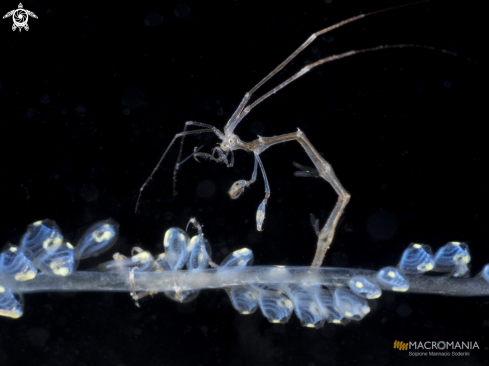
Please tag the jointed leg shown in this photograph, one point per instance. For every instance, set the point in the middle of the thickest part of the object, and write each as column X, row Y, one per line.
column 238, row 115
column 308, row 68
column 208, row 128
column 177, row 164
column 260, row 213
column 196, row 224
column 223, row 156
column 134, row 294
column 238, row 187
column 325, row 171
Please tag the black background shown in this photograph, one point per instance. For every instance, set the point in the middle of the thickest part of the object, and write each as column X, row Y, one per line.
column 92, row 94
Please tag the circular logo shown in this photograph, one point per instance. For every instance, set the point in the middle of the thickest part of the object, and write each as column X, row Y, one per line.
column 441, row 345
column 20, row 17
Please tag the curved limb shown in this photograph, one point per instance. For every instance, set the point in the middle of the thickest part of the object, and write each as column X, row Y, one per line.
column 260, row 213
column 237, row 117
column 196, row 224
column 208, row 128
column 238, row 187
column 223, row 157
column 308, row 68
column 177, row 164
column 136, row 296
column 325, row 171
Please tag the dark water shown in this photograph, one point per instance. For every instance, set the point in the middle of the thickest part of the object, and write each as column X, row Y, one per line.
column 92, row 94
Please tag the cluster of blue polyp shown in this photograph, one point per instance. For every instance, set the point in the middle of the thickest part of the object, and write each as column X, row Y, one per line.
column 43, row 248
column 316, row 304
